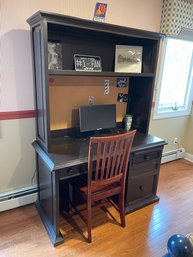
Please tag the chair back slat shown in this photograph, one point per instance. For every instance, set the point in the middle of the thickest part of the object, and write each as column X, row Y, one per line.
column 126, row 147
column 98, row 160
column 104, row 159
column 119, row 158
column 109, row 163
column 108, row 157
column 114, row 159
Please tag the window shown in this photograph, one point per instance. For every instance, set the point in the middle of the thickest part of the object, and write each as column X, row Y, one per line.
column 175, row 82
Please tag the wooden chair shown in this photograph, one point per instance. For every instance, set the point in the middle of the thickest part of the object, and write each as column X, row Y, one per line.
column 108, row 159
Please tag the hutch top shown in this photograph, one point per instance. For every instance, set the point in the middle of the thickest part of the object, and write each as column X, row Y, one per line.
column 60, row 89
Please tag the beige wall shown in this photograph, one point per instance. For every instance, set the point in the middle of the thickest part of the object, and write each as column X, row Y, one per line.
column 168, row 129
column 17, row 158
column 188, row 138
column 17, row 162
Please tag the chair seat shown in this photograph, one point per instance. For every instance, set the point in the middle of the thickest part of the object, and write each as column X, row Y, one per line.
column 95, row 189
column 80, row 183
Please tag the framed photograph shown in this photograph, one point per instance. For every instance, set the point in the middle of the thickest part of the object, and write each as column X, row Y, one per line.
column 54, row 56
column 87, row 63
column 128, row 58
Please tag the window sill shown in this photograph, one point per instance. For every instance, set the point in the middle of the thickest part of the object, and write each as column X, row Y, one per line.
column 171, row 114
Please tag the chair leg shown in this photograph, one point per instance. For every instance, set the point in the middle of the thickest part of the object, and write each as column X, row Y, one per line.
column 122, row 209
column 89, row 221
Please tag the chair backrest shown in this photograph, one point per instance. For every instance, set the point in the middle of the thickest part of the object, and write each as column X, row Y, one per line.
column 108, row 158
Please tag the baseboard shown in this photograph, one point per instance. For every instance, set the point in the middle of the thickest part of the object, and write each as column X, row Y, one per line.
column 18, row 198
column 17, row 202
column 173, row 155
column 189, row 157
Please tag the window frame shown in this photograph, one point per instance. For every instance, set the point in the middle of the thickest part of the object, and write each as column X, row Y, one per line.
column 169, row 112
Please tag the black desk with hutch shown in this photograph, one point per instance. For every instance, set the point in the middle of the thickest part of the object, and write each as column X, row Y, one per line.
column 58, row 92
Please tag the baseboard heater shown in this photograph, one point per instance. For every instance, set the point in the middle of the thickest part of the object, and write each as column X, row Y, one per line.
column 173, row 155
column 17, row 198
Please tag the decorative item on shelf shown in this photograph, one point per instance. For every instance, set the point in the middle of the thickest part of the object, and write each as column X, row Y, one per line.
column 128, row 58
column 54, row 56
column 122, row 82
column 127, row 121
column 100, row 12
column 87, row 63
column 122, row 98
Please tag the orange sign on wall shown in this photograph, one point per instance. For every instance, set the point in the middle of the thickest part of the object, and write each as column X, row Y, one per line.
column 100, row 12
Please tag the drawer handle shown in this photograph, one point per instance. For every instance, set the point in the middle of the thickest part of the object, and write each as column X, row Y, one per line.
column 141, row 188
column 147, row 157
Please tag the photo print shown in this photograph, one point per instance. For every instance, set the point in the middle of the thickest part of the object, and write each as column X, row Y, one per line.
column 122, row 98
column 122, row 82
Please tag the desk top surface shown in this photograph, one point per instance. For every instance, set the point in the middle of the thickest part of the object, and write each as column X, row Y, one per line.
column 67, row 152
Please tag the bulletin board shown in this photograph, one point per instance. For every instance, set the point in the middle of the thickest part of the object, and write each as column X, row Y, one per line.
column 68, row 93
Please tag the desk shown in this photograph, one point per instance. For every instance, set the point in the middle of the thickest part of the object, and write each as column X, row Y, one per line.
column 68, row 158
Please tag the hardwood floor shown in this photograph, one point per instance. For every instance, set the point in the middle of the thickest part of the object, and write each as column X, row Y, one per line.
column 22, row 233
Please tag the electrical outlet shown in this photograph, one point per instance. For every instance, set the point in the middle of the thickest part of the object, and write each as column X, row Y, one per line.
column 175, row 140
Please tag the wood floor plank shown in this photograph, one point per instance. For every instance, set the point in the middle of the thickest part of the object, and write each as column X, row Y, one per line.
column 22, row 233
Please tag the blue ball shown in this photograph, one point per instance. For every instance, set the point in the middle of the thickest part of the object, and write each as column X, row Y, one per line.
column 179, row 246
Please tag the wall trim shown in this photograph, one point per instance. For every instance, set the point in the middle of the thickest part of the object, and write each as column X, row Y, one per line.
column 18, row 202
column 17, row 115
column 19, row 197
column 173, row 155
column 189, row 157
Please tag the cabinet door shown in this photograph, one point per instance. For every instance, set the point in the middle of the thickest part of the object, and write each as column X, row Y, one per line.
column 139, row 187
column 143, row 177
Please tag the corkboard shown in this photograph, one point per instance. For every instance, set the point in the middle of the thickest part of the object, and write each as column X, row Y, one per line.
column 68, row 93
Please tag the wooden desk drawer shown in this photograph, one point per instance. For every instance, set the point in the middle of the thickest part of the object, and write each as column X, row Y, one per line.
column 73, row 171
column 147, row 155
column 139, row 187
column 144, row 167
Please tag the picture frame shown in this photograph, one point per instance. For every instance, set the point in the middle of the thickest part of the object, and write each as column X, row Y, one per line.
column 128, row 58
column 87, row 63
